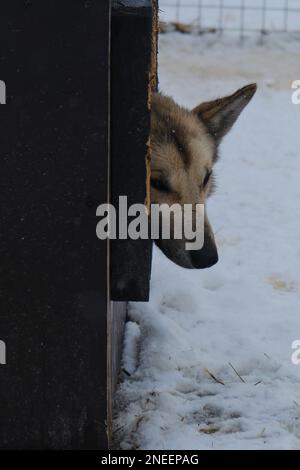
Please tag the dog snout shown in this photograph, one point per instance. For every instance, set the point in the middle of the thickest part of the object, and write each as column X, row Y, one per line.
column 208, row 255
column 204, row 258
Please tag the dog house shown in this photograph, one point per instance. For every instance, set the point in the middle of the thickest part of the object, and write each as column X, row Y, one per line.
column 74, row 134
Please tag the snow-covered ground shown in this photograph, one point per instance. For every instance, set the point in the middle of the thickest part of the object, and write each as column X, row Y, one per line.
column 182, row 347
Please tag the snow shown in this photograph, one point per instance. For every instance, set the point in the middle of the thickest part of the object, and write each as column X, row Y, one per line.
column 130, row 348
column 244, row 313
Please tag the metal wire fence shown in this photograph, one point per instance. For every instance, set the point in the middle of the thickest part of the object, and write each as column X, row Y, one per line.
column 242, row 16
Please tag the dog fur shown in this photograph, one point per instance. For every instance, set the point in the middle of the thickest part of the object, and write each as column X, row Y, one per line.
column 184, row 150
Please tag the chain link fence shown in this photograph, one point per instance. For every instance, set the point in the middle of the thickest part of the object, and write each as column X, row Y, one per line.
column 241, row 16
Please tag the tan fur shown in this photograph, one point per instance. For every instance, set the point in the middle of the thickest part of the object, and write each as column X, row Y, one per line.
column 184, row 150
column 185, row 181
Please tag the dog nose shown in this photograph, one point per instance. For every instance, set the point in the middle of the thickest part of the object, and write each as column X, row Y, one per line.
column 204, row 259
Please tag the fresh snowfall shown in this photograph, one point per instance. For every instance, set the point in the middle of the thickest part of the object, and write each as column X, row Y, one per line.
column 207, row 362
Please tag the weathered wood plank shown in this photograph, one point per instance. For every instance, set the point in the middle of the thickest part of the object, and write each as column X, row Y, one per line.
column 132, row 83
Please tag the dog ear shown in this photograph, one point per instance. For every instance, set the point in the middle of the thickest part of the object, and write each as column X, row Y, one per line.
column 220, row 115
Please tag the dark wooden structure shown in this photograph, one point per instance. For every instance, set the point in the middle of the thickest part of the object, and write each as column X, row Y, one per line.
column 62, row 330
column 130, row 68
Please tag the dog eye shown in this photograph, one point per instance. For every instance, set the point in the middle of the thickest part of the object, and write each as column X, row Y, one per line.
column 207, row 178
column 160, row 185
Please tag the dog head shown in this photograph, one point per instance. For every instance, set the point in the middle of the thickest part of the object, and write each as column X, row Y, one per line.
column 184, row 149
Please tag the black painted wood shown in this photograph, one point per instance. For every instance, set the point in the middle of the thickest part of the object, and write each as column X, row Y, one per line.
column 53, row 272
column 131, row 59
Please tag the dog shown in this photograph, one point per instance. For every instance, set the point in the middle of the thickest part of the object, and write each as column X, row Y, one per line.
column 184, row 150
